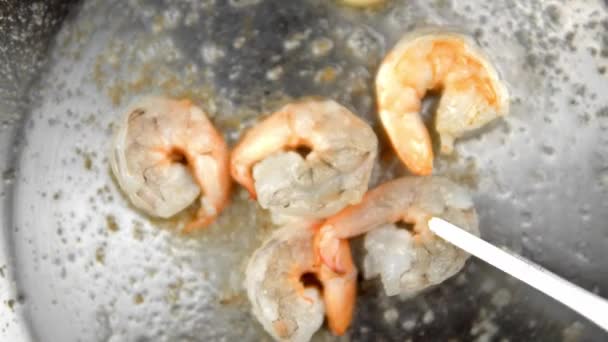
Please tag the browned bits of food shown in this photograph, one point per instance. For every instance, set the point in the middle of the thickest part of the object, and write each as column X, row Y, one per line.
column 111, row 223
column 88, row 162
column 100, row 255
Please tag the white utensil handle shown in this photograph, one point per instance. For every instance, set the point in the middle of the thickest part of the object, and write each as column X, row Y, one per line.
column 584, row 302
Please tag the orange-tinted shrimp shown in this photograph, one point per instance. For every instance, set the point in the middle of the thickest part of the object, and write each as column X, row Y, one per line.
column 165, row 154
column 471, row 94
column 334, row 173
column 287, row 306
column 406, row 260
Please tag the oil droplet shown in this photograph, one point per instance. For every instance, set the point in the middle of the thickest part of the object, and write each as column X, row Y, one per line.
column 573, row 332
column 409, row 324
column 239, row 42
column 488, row 285
column 501, row 298
column 391, row 316
column 274, row 73
column 8, row 176
column 585, row 213
column 526, row 219
column 548, row 150
column 321, row 46
column 103, row 331
column 428, row 317
column 212, row 53
column 365, row 45
column 525, row 239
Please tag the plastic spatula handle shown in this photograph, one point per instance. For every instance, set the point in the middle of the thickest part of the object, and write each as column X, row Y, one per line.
column 578, row 299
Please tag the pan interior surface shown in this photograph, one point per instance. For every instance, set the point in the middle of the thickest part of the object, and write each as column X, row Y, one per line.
column 92, row 268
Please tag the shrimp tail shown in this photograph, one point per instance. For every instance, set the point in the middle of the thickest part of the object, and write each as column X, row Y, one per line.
column 242, row 174
column 252, row 194
column 328, row 251
column 204, row 218
column 340, row 291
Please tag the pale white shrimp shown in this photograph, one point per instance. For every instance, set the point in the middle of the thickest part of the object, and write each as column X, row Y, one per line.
column 471, row 93
column 334, row 173
column 407, row 261
column 165, row 154
column 289, row 308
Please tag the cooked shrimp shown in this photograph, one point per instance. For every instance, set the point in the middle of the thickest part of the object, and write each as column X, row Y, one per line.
column 287, row 306
column 333, row 174
column 406, row 260
column 165, row 154
column 471, row 94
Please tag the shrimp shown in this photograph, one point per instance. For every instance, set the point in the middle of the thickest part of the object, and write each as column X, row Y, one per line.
column 287, row 306
column 472, row 94
column 165, row 154
column 407, row 261
column 333, row 174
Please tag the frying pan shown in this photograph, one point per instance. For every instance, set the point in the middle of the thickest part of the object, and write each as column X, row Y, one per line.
column 78, row 264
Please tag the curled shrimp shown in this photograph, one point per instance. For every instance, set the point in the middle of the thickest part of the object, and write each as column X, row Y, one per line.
column 289, row 308
column 406, row 260
column 333, row 174
column 165, row 154
column 471, row 94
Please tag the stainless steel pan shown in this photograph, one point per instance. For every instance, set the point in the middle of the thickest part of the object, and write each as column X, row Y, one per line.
column 78, row 264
